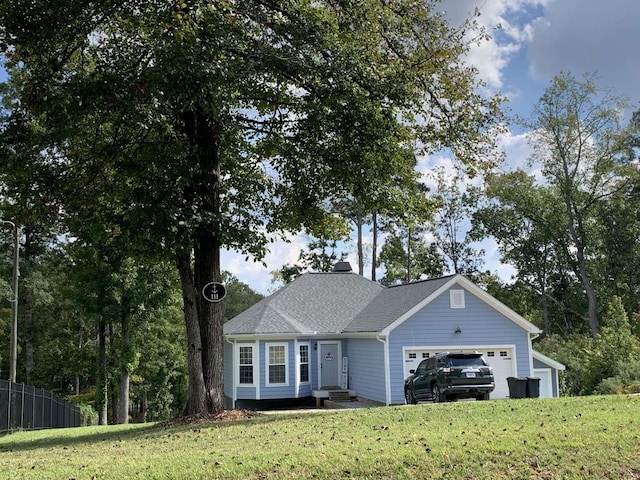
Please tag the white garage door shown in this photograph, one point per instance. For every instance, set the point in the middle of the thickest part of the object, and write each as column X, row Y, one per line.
column 500, row 358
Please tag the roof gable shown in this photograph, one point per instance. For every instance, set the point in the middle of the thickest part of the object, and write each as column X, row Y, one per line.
column 449, row 282
column 394, row 303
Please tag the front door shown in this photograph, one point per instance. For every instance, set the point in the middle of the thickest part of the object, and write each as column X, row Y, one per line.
column 329, row 365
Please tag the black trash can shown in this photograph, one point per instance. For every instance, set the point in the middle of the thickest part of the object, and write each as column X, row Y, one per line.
column 533, row 387
column 517, row 387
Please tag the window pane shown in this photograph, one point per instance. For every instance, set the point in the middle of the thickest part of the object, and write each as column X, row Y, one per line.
column 304, row 372
column 246, row 374
column 304, row 353
column 277, row 374
column 246, row 355
column 276, row 354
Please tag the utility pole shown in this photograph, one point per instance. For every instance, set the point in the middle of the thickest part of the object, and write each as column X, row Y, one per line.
column 13, row 353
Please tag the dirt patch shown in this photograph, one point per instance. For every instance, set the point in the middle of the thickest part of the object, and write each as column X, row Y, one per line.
column 224, row 416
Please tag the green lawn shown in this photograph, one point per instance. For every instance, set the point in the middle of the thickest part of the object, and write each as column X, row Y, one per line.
column 590, row 437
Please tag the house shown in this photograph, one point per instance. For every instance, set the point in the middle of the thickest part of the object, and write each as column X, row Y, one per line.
column 341, row 331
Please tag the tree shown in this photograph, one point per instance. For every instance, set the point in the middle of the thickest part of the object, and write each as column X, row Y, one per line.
column 527, row 222
column 239, row 297
column 407, row 257
column 582, row 147
column 200, row 125
column 321, row 256
column 452, row 223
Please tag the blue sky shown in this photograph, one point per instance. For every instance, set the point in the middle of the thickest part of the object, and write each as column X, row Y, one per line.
column 537, row 40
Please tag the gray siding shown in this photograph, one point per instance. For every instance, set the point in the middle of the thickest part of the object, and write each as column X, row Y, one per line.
column 435, row 324
column 366, row 368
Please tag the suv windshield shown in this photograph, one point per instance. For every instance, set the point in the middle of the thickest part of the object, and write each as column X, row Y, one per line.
column 466, row 360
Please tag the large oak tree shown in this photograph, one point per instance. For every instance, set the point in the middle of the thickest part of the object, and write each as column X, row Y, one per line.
column 191, row 126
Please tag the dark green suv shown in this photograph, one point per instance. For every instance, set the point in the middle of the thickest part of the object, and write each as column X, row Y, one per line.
column 448, row 377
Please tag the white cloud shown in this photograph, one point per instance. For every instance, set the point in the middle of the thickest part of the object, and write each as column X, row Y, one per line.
column 589, row 36
column 508, row 29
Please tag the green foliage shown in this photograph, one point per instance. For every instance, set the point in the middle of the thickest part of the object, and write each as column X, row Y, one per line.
column 321, row 256
column 409, row 258
column 602, row 364
column 88, row 414
column 239, row 296
column 166, row 129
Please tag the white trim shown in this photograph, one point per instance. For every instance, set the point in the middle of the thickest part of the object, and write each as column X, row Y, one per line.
column 267, row 345
column 466, row 349
column 319, row 359
column 474, row 290
column 299, row 382
column 546, row 360
column 234, row 393
column 536, row 373
column 387, row 369
column 255, row 358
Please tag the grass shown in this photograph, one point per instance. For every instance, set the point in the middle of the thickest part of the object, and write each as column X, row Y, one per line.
column 589, row 437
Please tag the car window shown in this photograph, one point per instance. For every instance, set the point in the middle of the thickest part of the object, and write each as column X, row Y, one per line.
column 422, row 367
column 431, row 364
column 466, row 360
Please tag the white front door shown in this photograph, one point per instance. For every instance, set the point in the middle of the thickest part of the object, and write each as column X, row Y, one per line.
column 329, row 362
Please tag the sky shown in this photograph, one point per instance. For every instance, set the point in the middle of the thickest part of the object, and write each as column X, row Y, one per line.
column 531, row 41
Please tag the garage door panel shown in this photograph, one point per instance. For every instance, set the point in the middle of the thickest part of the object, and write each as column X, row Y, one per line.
column 501, row 359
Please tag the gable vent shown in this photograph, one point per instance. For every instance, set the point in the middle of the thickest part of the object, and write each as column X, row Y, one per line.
column 457, row 298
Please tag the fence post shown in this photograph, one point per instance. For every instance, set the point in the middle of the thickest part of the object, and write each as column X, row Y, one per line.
column 22, row 408
column 9, row 407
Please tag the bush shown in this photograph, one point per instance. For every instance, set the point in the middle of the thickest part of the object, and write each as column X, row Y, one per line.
column 88, row 415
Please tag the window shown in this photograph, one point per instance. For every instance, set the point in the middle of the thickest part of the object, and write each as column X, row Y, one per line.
column 276, row 364
column 245, row 376
column 303, row 365
column 457, row 298
column 504, row 354
column 491, row 354
column 413, row 355
column 425, row 354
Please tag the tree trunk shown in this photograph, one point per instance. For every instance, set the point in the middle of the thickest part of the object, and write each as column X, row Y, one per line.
column 408, row 278
column 207, row 269
column 102, row 385
column 196, row 400
column 359, row 223
column 123, row 397
column 203, row 318
column 374, row 247
column 28, row 312
column 577, row 234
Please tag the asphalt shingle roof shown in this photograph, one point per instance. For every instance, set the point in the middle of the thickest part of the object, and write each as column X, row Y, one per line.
column 333, row 302
column 392, row 303
column 313, row 302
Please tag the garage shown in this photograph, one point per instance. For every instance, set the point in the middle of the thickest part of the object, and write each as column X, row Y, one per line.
column 501, row 359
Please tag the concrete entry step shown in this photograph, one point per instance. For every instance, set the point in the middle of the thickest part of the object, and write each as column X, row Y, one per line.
column 339, row 395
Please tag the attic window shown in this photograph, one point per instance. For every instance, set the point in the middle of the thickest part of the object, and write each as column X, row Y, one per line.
column 457, row 298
